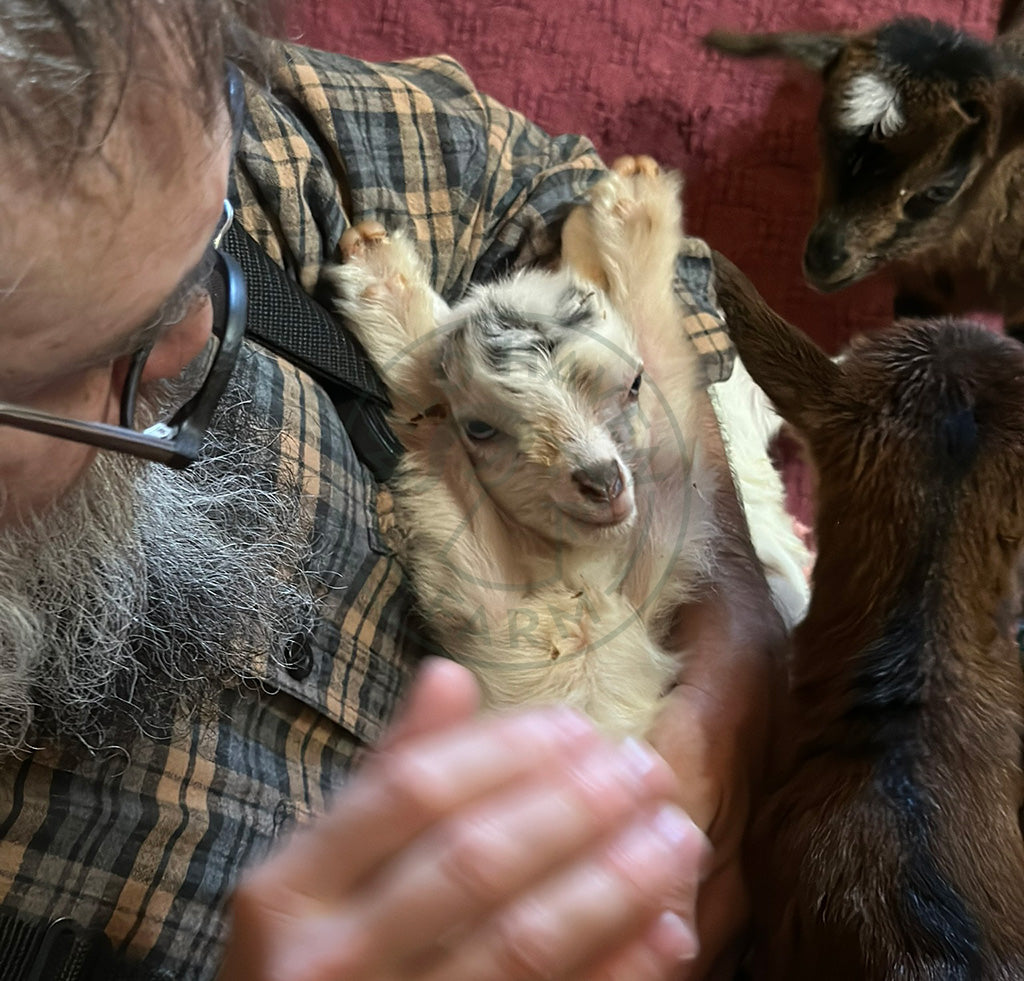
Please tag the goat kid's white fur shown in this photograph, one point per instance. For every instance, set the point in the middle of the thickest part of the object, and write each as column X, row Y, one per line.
column 748, row 422
column 871, row 102
column 546, row 593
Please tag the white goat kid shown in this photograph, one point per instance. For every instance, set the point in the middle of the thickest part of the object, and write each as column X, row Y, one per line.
column 552, row 505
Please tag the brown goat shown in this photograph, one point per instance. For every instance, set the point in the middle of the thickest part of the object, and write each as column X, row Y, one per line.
column 921, row 132
column 890, row 844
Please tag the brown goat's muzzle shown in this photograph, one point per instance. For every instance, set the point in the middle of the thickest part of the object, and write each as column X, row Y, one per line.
column 829, row 264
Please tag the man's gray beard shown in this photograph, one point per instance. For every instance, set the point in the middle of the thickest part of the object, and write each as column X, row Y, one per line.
column 134, row 601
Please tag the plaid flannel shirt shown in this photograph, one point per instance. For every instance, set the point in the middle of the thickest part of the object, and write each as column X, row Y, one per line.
column 146, row 846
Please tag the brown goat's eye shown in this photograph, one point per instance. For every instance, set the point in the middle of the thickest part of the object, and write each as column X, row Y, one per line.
column 925, row 203
column 634, row 389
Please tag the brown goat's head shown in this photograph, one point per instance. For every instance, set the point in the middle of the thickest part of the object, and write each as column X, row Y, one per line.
column 911, row 116
column 914, row 418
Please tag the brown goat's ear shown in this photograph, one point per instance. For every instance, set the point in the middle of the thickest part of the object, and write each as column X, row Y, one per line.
column 815, row 51
column 794, row 372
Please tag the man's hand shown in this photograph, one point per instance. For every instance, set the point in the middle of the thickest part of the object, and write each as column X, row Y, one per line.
column 480, row 849
column 715, row 729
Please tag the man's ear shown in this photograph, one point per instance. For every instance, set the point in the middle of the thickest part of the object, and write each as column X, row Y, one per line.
column 813, row 50
column 798, row 377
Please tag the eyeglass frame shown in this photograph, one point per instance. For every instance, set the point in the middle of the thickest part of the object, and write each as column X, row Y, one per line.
column 177, row 441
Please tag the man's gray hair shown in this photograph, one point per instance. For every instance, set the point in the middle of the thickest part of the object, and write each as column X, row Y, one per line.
column 66, row 64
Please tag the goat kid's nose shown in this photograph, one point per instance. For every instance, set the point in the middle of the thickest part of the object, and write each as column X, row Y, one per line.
column 600, row 482
column 825, row 252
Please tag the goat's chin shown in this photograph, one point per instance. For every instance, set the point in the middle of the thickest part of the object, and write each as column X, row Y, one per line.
column 835, row 283
column 558, row 525
column 604, row 519
column 579, row 527
column 846, row 275
column 577, row 510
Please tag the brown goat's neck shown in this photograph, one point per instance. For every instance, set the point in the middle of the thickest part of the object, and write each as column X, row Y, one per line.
column 897, row 636
column 984, row 247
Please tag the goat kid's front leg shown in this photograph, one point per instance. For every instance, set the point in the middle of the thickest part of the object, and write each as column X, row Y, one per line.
column 793, row 371
column 382, row 292
column 626, row 238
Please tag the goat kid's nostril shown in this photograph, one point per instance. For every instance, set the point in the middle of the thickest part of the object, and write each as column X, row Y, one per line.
column 825, row 253
column 600, row 482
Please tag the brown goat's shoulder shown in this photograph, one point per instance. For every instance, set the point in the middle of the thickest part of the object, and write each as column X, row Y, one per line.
column 890, row 843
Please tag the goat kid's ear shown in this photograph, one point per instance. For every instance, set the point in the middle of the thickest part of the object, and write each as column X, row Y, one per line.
column 813, row 50
column 579, row 248
column 798, row 377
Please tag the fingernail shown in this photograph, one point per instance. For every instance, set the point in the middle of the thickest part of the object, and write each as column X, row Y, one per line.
column 673, row 938
column 678, row 831
column 567, row 723
column 651, row 846
column 617, row 777
column 673, row 825
column 639, row 759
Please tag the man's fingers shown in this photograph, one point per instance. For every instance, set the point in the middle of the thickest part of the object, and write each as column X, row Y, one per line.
column 400, row 793
column 598, row 910
column 573, row 921
column 467, row 866
column 507, row 847
column 668, row 943
column 444, row 693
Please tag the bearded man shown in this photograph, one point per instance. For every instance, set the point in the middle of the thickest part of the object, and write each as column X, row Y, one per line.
column 200, row 627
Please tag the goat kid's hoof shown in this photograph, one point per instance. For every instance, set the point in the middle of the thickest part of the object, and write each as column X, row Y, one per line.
column 356, row 239
column 639, row 198
column 377, row 265
column 642, row 166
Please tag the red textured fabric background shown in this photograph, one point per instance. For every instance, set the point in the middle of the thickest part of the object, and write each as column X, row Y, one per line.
column 633, row 76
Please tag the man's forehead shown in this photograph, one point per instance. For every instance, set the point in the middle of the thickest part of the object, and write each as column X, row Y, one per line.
column 104, row 249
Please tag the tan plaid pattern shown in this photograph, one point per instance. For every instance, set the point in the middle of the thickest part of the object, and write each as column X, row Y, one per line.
column 146, row 844
column 415, row 146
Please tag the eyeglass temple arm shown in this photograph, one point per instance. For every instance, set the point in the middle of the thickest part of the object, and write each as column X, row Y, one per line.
column 98, row 434
column 175, row 443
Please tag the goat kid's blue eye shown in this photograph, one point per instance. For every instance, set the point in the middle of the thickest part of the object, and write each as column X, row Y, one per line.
column 475, row 429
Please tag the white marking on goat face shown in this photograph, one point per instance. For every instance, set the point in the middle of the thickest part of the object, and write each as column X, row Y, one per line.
column 870, row 102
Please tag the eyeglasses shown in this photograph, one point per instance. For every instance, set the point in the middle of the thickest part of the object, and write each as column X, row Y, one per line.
column 175, row 442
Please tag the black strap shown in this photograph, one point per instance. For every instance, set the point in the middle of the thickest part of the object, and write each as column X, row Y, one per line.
column 59, row 950
column 286, row 319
